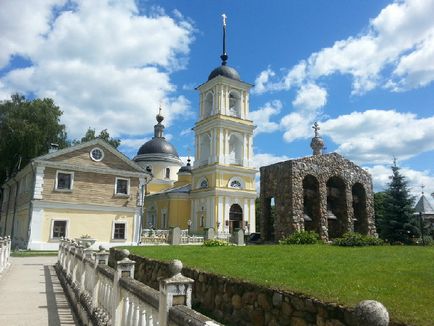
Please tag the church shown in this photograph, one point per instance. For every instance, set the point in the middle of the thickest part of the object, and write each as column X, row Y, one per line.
column 218, row 189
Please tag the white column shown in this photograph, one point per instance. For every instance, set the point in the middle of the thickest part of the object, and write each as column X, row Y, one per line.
column 245, row 150
column 226, row 214
column 220, row 213
column 221, row 146
column 252, row 218
column 246, row 212
column 35, row 241
column 250, row 150
column 211, row 212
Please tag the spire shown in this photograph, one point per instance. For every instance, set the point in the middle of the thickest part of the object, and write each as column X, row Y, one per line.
column 317, row 143
column 159, row 128
column 224, row 56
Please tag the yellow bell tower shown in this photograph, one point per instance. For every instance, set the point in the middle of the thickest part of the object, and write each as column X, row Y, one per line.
column 223, row 177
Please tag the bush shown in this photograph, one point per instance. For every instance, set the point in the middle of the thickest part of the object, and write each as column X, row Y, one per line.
column 301, row 237
column 216, row 243
column 428, row 240
column 354, row 239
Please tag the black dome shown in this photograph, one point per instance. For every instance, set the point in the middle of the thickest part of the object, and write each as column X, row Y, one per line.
column 225, row 71
column 158, row 146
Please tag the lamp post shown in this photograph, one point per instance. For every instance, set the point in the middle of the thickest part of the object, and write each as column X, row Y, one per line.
column 421, row 227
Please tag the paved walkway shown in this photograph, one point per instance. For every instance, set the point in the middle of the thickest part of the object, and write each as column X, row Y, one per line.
column 30, row 294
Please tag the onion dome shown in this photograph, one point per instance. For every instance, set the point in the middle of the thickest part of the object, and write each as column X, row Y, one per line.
column 317, row 143
column 186, row 168
column 158, row 144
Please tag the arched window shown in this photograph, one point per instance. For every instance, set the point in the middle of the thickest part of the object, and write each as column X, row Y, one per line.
column 167, row 173
column 205, row 143
column 235, row 104
column 235, row 217
column 203, row 183
column 235, row 149
column 236, row 183
column 208, row 105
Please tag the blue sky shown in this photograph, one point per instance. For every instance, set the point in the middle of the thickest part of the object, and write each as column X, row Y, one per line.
column 363, row 69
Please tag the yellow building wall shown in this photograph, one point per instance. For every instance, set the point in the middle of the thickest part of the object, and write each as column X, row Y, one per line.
column 157, row 187
column 180, row 212
column 96, row 224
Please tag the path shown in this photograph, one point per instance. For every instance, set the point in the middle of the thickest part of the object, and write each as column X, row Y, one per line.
column 30, row 294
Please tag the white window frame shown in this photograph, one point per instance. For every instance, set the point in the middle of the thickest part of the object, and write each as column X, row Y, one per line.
column 116, row 187
column 94, row 159
column 165, row 173
column 52, row 228
column 57, row 178
column 126, row 229
column 240, row 180
column 199, row 184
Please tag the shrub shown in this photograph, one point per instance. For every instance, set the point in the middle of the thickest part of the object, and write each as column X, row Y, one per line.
column 216, row 243
column 354, row 239
column 301, row 237
column 428, row 240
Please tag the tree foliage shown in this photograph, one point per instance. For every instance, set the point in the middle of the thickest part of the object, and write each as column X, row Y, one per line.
column 397, row 221
column 27, row 128
column 104, row 134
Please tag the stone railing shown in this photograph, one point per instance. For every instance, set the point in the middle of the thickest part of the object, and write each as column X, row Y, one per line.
column 5, row 253
column 102, row 295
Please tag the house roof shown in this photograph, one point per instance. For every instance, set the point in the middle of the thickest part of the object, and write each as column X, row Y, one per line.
column 423, row 206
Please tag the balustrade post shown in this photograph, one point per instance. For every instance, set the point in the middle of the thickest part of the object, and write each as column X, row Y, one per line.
column 124, row 269
column 101, row 258
column 175, row 290
column 8, row 250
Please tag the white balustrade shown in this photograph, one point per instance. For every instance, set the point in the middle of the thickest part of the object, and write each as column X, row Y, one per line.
column 5, row 252
column 113, row 296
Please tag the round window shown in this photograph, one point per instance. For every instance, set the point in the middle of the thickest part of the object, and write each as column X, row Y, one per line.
column 96, row 154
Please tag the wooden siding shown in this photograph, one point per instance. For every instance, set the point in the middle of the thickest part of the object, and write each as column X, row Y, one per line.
column 82, row 157
column 89, row 188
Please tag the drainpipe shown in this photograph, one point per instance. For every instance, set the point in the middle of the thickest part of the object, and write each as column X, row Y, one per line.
column 32, row 189
column 15, row 209
column 7, row 209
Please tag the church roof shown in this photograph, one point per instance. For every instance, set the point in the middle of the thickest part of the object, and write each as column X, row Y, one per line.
column 225, row 71
column 423, row 206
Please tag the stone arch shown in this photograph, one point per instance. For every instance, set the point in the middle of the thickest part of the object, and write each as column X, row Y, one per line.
column 311, row 204
column 359, row 208
column 235, row 217
column 235, row 149
column 205, row 145
column 208, row 105
column 337, row 213
column 235, row 103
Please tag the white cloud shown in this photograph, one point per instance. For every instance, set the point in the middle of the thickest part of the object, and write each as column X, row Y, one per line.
column 262, row 80
column 310, row 97
column 265, row 159
column 401, row 37
column 261, row 117
column 104, row 64
column 377, row 135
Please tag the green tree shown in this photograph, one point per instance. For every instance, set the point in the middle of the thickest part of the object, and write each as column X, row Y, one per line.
column 379, row 209
column 27, row 128
column 104, row 134
column 397, row 222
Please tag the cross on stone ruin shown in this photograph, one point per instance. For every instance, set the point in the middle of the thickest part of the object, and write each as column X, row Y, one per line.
column 316, row 128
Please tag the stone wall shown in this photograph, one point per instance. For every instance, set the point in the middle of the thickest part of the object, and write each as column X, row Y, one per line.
column 284, row 182
column 236, row 302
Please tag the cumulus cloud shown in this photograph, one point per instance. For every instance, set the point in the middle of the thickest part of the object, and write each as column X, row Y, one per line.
column 102, row 62
column 401, row 37
column 261, row 117
column 264, row 159
column 377, row 135
column 381, row 175
column 310, row 97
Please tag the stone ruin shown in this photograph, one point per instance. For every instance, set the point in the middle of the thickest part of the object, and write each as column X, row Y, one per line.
column 325, row 193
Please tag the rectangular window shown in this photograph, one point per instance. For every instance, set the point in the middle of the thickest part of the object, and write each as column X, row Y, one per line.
column 64, row 180
column 119, row 231
column 59, row 229
column 122, row 186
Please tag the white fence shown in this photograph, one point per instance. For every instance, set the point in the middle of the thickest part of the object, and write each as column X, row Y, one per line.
column 5, row 253
column 107, row 296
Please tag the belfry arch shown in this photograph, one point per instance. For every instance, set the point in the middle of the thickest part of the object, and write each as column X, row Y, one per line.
column 311, row 204
column 359, row 208
column 337, row 213
column 208, row 105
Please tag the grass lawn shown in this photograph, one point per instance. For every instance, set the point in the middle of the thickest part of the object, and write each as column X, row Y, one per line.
column 32, row 253
column 401, row 277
